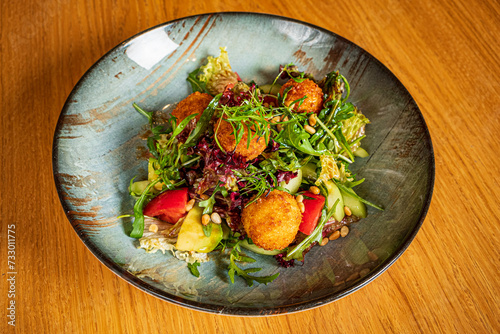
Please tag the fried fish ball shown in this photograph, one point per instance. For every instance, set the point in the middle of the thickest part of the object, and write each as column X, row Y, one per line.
column 225, row 136
column 312, row 103
column 272, row 221
column 195, row 103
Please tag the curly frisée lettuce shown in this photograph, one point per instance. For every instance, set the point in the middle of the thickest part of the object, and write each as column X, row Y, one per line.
column 252, row 156
column 353, row 128
column 154, row 240
column 215, row 75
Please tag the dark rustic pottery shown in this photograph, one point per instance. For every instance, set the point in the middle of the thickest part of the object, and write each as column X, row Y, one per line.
column 98, row 148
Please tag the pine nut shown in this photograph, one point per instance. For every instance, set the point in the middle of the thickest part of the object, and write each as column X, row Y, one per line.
column 302, row 207
column 309, row 129
column 299, row 198
column 205, row 219
column 204, row 197
column 364, row 272
column 158, row 186
column 344, row 231
column 372, row 256
column 315, row 190
column 190, row 205
column 312, row 120
column 216, row 218
column 153, row 228
column 324, row 242
column 347, row 211
column 335, row 235
column 352, row 277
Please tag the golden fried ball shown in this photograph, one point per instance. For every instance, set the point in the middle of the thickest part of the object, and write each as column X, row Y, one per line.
column 272, row 221
column 312, row 103
column 195, row 103
column 225, row 135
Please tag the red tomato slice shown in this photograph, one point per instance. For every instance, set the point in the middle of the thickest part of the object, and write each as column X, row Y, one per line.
column 312, row 212
column 169, row 206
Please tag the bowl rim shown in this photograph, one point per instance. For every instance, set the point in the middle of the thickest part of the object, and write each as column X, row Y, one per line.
column 236, row 310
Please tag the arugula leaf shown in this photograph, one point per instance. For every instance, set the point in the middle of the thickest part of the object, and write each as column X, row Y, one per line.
column 203, row 122
column 347, row 88
column 343, row 143
column 316, row 236
column 296, row 136
column 196, row 84
column 244, row 273
column 292, row 71
column 138, row 225
column 208, row 204
column 152, row 147
column 193, row 268
column 207, row 229
column 182, row 125
column 148, row 114
column 348, row 190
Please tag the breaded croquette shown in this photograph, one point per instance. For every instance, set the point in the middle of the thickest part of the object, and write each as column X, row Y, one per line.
column 225, row 136
column 272, row 221
column 195, row 103
column 312, row 103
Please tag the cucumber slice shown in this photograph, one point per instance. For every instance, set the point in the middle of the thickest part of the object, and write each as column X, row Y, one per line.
column 191, row 236
column 138, row 187
column 294, row 184
column 334, row 195
column 360, row 152
column 256, row 249
column 309, row 172
column 357, row 207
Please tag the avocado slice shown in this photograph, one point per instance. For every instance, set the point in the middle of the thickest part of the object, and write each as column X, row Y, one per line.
column 191, row 236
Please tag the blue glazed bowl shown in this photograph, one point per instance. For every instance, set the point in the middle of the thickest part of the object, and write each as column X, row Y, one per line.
column 99, row 146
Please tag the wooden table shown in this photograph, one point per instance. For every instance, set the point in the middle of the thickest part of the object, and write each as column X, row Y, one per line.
column 444, row 51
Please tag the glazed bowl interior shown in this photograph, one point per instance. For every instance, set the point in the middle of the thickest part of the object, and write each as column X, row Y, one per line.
column 99, row 146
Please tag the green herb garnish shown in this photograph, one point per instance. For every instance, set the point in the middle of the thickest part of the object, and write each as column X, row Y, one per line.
column 193, row 267
column 297, row 252
column 196, row 84
column 138, row 225
column 234, row 257
column 348, row 190
column 203, row 123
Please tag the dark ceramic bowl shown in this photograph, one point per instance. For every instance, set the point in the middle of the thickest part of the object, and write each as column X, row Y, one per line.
column 98, row 148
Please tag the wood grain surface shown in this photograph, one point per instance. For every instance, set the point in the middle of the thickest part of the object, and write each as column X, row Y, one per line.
column 444, row 51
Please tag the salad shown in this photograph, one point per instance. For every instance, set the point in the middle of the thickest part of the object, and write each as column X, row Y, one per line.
column 239, row 166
